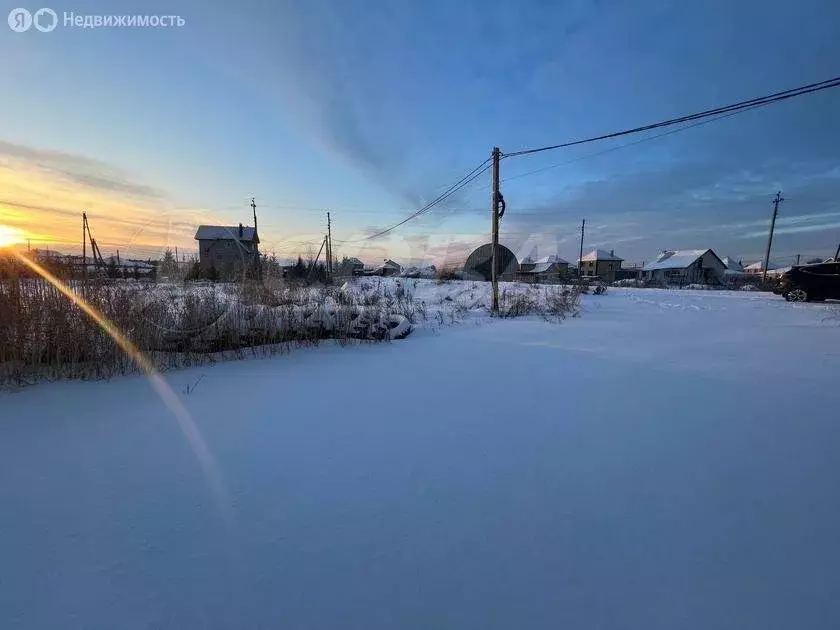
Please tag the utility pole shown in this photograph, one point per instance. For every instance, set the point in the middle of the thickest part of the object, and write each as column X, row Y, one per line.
column 329, row 248
column 256, row 238
column 779, row 199
column 29, row 244
column 837, row 254
column 797, row 260
column 254, row 208
column 580, row 258
column 84, row 246
column 496, row 155
column 315, row 264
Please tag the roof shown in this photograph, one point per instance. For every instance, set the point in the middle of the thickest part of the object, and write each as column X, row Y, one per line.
column 554, row 258
column 778, row 271
column 543, row 267
column 478, row 263
column 759, row 266
column 391, row 262
column 600, row 254
column 353, row 261
column 678, row 259
column 225, row 233
column 732, row 264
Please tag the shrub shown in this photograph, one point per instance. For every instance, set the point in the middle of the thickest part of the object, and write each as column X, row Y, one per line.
column 445, row 274
column 44, row 336
column 562, row 302
column 516, row 304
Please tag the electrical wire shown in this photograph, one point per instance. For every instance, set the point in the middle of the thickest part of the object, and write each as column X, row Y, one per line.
column 734, row 108
column 622, row 146
column 461, row 183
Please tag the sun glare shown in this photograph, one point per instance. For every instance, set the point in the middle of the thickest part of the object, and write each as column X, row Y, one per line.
column 10, row 236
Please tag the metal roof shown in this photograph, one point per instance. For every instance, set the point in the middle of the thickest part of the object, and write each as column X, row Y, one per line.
column 600, row 254
column 225, row 232
column 679, row 259
column 553, row 258
column 540, row 268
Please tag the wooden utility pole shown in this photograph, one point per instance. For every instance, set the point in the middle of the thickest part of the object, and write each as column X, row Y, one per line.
column 797, row 260
column 315, row 264
column 580, row 258
column 257, row 269
column 84, row 246
column 837, row 254
column 779, row 199
column 329, row 248
column 494, row 278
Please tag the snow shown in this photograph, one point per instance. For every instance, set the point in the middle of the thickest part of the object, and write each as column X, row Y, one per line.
column 600, row 254
column 224, row 232
column 758, row 267
column 541, row 267
column 553, row 258
column 678, row 259
column 732, row 264
column 667, row 460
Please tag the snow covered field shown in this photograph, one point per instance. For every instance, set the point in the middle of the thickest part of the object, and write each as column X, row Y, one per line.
column 667, row 460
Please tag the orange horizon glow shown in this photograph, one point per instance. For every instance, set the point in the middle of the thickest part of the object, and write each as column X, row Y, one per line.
column 45, row 206
column 10, row 236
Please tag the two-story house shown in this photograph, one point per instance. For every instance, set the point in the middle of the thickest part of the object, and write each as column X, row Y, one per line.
column 227, row 248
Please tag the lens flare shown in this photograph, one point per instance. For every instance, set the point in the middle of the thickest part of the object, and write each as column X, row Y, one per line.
column 11, row 236
column 168, row 396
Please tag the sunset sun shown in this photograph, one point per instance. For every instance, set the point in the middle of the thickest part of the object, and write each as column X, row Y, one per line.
column 10, row 236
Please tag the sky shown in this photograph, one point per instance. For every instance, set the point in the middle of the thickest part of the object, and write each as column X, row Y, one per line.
column 370, row 109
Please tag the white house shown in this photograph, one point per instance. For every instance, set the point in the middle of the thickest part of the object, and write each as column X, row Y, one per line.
column 757, row 268
column 686, row 266
column 734, row 269
column 732, row 264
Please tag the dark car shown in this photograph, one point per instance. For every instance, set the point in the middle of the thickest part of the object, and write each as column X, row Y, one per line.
column 811, row 282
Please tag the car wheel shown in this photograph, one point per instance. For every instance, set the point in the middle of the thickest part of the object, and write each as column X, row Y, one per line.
column 797, row 295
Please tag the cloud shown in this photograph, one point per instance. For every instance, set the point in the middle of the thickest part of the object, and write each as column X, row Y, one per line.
column 817, row 227
column 80, row 170
column 44, row 193
column 702, row 203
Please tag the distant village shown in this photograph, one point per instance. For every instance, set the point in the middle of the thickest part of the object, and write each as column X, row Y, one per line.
column 225, row 251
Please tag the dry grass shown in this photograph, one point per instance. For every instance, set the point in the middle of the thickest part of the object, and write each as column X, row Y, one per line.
column 44, row 336
column 551, row 302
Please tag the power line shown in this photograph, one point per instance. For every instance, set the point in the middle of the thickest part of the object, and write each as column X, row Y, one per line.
column 464, row 181
column 622, row 146
column 734, row 108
